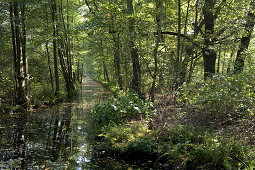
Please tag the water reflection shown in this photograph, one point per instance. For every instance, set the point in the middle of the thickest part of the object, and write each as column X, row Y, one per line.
column 54, row 138
column 19, row 140
column 61, row 130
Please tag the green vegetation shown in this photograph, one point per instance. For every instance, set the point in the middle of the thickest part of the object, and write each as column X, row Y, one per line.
column 226, row 98
column 181, row 72
column 120, row 132
column 123, row 109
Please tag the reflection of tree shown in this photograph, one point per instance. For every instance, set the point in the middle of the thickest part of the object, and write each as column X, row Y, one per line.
column 60, row 133
column 19, row 140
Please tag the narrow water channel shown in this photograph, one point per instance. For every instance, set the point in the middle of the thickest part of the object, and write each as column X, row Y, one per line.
column 54, row 138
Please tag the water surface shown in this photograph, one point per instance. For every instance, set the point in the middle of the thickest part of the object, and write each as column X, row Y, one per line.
column 56, row 137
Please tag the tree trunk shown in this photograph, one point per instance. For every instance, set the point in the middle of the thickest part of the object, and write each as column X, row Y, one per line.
column 136, row 82
column 14, row 49
column 209, row 53
column 159, row 9
column 223, row 63
column 194, row 51
column 117, row 60
column 55, row 36
column 64, row 53
column 245, row 41
column 230, row 60
column 184, row 62
column 106, row 73
column 47, row 51
column 218, row 64
column 23, row 42
column 179, row 34
column 48, row 56
column 21, row 93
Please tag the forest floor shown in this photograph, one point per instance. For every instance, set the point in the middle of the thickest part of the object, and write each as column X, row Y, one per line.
column 178, row 137
column 170, row 114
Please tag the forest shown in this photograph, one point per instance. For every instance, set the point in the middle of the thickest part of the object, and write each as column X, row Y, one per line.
column 161, row 84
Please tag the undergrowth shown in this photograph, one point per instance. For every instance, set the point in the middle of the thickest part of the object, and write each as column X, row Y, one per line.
column 227, row 98
column 123, row 128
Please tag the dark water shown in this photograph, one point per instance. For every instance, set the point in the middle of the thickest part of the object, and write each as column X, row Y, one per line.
column 55, row 138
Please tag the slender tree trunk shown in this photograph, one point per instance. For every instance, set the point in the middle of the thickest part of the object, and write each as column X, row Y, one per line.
column 136, row 82
column 223, row 63
column 47, row 51
column 194, row 51
column 48, row 56
column 159, row 9
column 126, row 73
column 82, row 72
column 117, row 60
column 23, row 41
column 184, row 63
column 55, row 36
column 185, row 29
column 106, row 73
column 218, row 66
column 230, row 61
column 245, row 41
column 65, row 54
column 116, row 50
column 179, row 60
column 21, row 93
column 20, row 90
column 14, row 49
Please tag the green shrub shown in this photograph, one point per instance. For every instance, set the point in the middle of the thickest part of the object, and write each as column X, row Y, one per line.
column 192, row 148
column 214, row 155
column 123, row 109
column 119, row 137
column 230, row 97
column 42, row 94
column 145, row 144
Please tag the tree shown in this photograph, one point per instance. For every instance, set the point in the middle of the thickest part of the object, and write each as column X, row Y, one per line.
column 245, row 40
column 19, row 51
column 55, row 35
column 136, row 81
column 209, row 53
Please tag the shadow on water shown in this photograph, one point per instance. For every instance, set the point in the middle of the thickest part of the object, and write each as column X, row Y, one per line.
column 54, row 138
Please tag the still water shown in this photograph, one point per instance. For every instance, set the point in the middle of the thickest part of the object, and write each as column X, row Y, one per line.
column 56, row 137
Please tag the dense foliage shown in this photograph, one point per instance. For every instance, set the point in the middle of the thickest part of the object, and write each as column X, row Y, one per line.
column 226, row 98
column 182, row 146
column 116, row 111
column 27, row 52
column 187, row 63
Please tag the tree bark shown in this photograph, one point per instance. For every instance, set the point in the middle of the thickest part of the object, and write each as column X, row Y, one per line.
column 48, row 56
column 64, row 53
column 194, row 51
column 209, row 53
column 115, row 37
column 106, row 73
column 55, row 36
column 47, row 51
column 21, row 97
column 23, row 42
column 117, row 61
column 14, row 49
column 179, row 34
column 245, row 41
column 218, row 64
column 136, row 82
column 159, row 9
